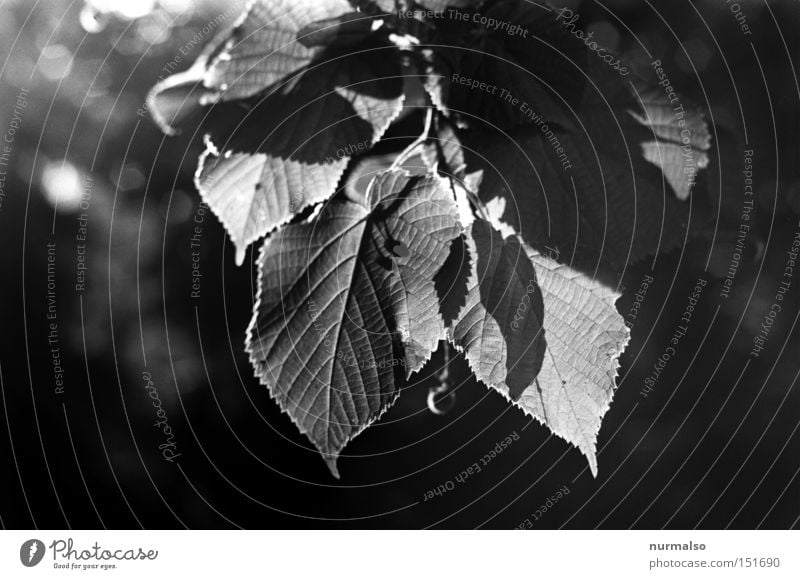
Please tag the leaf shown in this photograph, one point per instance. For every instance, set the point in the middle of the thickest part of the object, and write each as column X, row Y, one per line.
column 585, row 338
column 263, row 48
column 258, row 51
column 269, row 162
column 499, row 328
column 176, row 101
column 680, row 139
column 346, row 300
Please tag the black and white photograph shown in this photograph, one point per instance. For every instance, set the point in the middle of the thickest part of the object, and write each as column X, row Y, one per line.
column 337, row 266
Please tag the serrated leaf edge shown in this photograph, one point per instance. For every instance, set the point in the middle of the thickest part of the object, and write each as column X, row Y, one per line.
column 330, row 459
column 610, row 297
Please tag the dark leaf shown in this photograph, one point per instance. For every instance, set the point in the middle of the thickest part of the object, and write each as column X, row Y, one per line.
column 500, row 327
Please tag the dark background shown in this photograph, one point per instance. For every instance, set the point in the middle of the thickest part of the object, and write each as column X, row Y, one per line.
column 714, row 445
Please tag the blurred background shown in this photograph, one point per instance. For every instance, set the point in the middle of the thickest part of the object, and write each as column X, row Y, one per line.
column 101, row 329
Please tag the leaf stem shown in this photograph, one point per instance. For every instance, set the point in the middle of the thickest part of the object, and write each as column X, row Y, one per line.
column 408, row 151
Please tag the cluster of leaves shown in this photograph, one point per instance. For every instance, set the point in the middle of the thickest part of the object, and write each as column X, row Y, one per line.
column 473, row 233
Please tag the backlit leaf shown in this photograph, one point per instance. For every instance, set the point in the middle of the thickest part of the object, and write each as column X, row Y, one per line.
column 347, row 306
column 680, row 139
column 263, row 48
column 585, row 338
